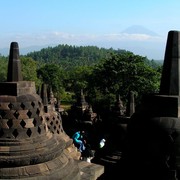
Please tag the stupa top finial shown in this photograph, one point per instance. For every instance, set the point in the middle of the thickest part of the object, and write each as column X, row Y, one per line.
column 14, row 65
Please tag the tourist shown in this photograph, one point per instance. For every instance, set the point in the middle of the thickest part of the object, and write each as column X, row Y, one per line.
column 102, row 143
column 79, row 141
column 87, row 154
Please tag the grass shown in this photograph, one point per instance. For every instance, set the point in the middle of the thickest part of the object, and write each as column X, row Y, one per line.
column 65, row 106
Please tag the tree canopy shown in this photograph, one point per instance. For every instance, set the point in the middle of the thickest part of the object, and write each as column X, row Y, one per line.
column 101, row 73
column 29, row 70
column 3, row 68
column 52, row 75
column 122, row 73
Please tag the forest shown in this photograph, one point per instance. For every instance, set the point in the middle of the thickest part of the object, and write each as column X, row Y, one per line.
column 101, row 73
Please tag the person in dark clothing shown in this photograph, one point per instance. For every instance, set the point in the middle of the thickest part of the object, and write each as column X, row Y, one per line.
column 87, row 154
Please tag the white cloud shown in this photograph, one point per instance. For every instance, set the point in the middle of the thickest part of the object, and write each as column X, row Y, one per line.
column 133, row 42
column 61, row 37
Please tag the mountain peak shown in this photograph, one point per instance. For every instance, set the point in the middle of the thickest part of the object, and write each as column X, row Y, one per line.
column 138, row 29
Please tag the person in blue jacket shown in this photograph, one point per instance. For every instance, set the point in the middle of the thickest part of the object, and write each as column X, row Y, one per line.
column 79, row 140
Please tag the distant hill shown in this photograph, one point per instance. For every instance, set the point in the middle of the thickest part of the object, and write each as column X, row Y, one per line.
column 23, row 51
column 68, row 55
column 159, row 62
column 4, row 51
column 72, row 56
column 137, row 29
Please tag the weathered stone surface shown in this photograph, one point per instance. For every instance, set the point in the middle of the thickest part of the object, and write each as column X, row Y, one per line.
column 33, row 144
column 14, row 66
column 152, row 150
column 170, row 82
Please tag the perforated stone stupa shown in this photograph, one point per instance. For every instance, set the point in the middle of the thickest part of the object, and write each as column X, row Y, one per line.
column 33, row 144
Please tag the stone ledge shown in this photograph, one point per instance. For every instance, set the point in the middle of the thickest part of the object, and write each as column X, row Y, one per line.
column 90, row 171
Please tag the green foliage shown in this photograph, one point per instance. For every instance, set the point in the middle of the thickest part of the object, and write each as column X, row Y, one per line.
column 52, row 75
column 3, row 68
column 122, row 73
column 77, row 78
column 66, row 97
column 101, row 73
column 29, row 70
column 71, row 56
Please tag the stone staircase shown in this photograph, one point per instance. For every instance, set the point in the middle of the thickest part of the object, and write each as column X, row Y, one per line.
column 110, row 160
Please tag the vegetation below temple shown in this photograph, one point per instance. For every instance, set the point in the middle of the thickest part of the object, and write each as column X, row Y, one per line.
column 101, row 73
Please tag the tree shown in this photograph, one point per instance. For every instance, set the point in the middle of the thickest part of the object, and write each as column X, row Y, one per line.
column 77, row 78
column 52, row 75
column 122, row 73
column 3, row 68
column 29, row 70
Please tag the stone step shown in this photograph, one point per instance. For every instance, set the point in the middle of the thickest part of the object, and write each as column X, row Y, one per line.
column 90, row 171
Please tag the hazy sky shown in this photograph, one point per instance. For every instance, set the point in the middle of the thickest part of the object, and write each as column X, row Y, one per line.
column 90, row 22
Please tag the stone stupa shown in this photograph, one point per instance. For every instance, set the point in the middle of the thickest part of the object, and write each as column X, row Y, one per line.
column 152, row 149
column 33, row 144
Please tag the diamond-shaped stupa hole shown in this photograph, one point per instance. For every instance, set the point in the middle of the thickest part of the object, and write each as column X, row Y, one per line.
column 39, row 130
column 58, row 131
column 34, row 122
column 1, row 132
column 16, row 114
column 10, row 123
column 38, row 111
column 54, row 127
column 47, row 118
column 54, row 118
column 15, row 133
column 51, row 123
column 10, row 106
column 2, row 113
column 22, row 123
column 29, row 113
column 29, row 132
column 49, row 127
column 59, row 126
column 33, row 104
column 22, row 106
column 39, row 103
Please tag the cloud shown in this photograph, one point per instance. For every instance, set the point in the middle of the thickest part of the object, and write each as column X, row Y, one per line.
column 112, row 37
column 132, row 37
column 58, row 37
column 135, row 42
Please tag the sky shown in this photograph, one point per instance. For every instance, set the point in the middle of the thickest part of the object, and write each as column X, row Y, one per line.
column 139, row 26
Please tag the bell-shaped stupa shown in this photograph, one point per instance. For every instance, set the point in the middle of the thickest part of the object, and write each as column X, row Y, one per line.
column 33, row 144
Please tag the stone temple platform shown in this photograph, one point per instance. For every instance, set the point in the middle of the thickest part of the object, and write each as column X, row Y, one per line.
column 33, row 144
